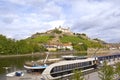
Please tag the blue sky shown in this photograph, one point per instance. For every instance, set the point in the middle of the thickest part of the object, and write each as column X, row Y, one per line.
column 20, row 19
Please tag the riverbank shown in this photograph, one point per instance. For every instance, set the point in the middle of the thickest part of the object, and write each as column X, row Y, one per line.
column 20, row 55
column 38, row 54
column 89, row 53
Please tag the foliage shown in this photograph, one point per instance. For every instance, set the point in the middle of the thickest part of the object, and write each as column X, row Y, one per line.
column 9, row 46
column 72, row 39
column 117, row 69
column 35, row 44
column 83, row 34
column 78, row 75
column 106, row 72
column 77, row 40
column 41, row 39
column 81, row 47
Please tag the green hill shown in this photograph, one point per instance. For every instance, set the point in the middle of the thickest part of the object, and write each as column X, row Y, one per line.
column 55, row 36
column 36, row 42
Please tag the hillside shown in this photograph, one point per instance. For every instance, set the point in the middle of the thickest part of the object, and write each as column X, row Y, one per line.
column 52, row 40
column 61, row 36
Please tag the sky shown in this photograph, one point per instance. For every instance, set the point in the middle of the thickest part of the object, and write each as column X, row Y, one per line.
column 20, row 19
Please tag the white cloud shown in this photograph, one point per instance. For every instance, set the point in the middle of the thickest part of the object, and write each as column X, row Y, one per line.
column 96, row 18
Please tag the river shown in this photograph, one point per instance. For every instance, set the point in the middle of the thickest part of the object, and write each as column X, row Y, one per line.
column 14, row 63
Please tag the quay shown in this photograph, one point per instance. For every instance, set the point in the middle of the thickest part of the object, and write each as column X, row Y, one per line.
column 91, row 76
column 26, row 76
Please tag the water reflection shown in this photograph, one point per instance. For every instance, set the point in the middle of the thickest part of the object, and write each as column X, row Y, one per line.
column 14, row 63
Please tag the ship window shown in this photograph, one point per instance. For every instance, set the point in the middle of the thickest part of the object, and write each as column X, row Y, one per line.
column 76, row 65
column 67, row 66
column 79, row 64
column 64, row 67
column 60, row 68
column 73, row 66
column 87, row 63
column 84, row 63
column 57, row 68
column 90, row 63
column 54, row 69
column 70, row 66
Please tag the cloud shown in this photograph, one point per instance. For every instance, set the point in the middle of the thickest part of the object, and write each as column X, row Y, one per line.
column 101, row 22
column 97, row 18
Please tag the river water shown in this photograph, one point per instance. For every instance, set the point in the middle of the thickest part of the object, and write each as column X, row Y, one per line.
column 14, row 63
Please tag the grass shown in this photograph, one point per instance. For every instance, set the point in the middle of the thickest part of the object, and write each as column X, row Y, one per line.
column 41, row 39
column 76, row 40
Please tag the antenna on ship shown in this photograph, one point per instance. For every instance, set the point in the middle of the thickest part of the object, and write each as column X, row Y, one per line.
column 94, row 54
column 46, row 57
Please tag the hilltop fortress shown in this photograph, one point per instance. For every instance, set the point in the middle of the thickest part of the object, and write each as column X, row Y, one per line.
column 63, row 30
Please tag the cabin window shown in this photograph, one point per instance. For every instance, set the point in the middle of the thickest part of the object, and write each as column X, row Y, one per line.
column 67, row 66
column 79, row 64
column 70, row 66
column 83, row 64
column 54, row 69
column 90, row 63
column 87, row 63
column 74, row 66
column 64, row 67
column 57, row 68
column 110, row 57
column 60, row 68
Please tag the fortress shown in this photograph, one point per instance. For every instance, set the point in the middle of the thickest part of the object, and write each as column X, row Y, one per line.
column 64, row 30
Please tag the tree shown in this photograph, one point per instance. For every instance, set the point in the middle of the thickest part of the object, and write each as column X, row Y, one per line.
column 117, row 69
column 78, row 75
column 80, row 47
column 106, row 72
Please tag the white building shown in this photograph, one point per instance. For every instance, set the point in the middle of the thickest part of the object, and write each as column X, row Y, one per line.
column 64, row 30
